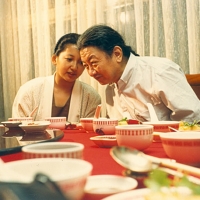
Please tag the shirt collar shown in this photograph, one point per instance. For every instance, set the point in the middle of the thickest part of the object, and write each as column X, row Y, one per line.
column 127, row 72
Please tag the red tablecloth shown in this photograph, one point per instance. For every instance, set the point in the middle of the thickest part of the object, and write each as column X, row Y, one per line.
column 100, row 158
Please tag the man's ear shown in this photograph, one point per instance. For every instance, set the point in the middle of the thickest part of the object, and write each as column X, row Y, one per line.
column 117, row 53
column 54, row 59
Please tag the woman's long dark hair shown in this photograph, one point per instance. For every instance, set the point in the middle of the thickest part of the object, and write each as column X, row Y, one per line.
column 104, row 38
column 70, row 38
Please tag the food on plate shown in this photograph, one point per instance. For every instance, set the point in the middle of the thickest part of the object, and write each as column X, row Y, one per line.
column 189, row 126
column 126, row 121
column 168, row 188
column 32, row 123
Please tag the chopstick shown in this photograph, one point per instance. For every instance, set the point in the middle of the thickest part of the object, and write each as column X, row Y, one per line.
column 185, row 169
column 23, row 110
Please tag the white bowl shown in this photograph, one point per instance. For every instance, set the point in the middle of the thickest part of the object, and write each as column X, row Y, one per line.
column 184, row 147
column 100, row 186
column 21, row 119
column 105, row 141
column 56, row 122
column 104, row 126
column 134, row 136
column 69, row 174
column 87, row 124
column 163, row 126
column 35, row 126
column 53, row 150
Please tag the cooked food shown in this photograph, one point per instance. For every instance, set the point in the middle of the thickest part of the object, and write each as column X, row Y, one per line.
column 168, row 188
column 189, row 126
column 126, row 121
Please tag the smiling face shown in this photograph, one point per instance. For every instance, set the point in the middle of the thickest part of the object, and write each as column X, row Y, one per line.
column 68, row 64
column 104, row 68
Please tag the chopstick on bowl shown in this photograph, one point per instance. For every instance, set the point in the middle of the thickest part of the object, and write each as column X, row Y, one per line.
column 25, row 114
column 172, row 164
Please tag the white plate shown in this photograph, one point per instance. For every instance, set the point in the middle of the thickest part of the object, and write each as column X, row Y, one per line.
column 105, row 140
column 138, row 194
column 11, row 124
column 35, row 126
column 100, row 186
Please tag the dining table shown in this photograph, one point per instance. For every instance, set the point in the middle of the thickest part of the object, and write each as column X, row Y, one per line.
column 99, row 157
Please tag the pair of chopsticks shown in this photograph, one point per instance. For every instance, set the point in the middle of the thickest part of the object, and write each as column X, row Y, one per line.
column 32, row 112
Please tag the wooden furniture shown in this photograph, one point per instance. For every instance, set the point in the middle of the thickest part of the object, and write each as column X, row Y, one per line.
column 194, row 81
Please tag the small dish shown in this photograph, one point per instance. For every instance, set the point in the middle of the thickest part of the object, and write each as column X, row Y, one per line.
column 105, row 140
column 100, row 186
column 11, row 124
column 36, row 126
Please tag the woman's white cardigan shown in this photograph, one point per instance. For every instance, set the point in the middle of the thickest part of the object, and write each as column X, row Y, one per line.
column 39, row 92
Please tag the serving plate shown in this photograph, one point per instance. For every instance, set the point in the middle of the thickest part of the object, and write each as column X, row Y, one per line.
column 36, row 126
column 105, row 141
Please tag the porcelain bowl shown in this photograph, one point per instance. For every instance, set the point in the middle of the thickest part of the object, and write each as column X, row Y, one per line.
column 100, row 186
column 56, row 122
column 21, row 119
column 53, row 150
column 163, row 126
column 134, row 136
column 184, row 147
column 69, row 174
column 104, row 126
column 87, row 124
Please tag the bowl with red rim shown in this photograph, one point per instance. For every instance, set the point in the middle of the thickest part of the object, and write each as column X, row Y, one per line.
column 134, row 136
column 87, row 124
column 53, row 149
column 184, row 147
column 56, row 122
column 69, row 174
column 163, row 126
column 104, row 126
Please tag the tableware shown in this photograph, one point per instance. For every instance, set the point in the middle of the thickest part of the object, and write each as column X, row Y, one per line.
column 21, row 119
column 135, row 161
column 69, row 174
column 33, row 111
column 10, row 175
column 100, row 186
column 36, row 126
column 105, row 141
column 163, row 126
column 184, row 147
column 11, row 124
column 53, row 149
column 104, row 126
column 97, row 112
column 135, row 136
column 138, row 194
column 152, row 112
column 56, row 122
column 87, row 124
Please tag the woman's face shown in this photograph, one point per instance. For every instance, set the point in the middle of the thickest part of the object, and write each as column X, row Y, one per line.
column 68, row 64
column 104, row 68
